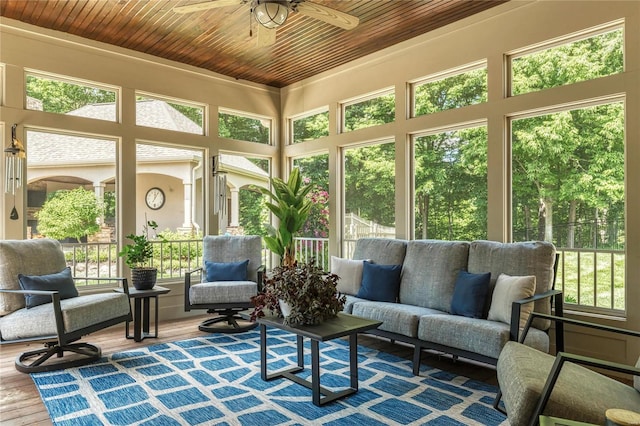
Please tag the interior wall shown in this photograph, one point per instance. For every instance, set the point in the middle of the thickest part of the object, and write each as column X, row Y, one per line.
column 487, row 36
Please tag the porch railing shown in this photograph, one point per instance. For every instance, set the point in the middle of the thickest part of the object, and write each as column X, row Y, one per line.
column 590, row 279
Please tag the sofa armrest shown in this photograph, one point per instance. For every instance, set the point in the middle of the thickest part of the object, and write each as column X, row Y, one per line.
column 516, row 308
column 187, row 285
column 122, row 280
column 261, row 272
column 562, row 358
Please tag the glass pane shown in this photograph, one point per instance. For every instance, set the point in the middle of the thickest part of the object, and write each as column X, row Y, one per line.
column 71, row 197
column 369, row 193
column 451, row 185
column 314, row 238
column 311, row 127
column 371, row 112
column 169, row 115
column 63, row 97
column 456, row 91
column 568, row 188
column 580, row 60
column 244, row 128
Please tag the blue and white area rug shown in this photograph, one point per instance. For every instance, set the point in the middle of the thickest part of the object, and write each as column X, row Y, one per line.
column 215, row 380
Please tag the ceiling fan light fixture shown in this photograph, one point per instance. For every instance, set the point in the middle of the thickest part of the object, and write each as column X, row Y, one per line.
column 271, row 14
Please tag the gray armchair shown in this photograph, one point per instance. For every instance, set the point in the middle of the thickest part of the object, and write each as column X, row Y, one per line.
column 231, row 274
column 533, row 383
column 39, row 302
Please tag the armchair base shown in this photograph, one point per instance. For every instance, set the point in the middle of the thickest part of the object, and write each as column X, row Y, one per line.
column 227, row 320
column 36, row 361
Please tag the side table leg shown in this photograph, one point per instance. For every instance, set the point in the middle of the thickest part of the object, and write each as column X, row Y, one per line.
column 146, row 305
column 137, row 317
column 315, row 372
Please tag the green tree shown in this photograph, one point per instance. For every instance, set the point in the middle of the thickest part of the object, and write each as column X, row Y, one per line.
column 61, row 97
column 70, row 214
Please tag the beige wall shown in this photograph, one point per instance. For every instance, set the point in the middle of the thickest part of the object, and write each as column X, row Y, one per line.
column 487, row 36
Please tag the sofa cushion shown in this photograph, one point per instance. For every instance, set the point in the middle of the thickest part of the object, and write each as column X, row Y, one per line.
column 396, row 318
column 380, row 282
column 508, row 289
column 77, row 313
column 29, row 257
column 383, row 251
column 470, row 294
column 517, row 259
column 478, row 336
column 351, row 301
column 350, row 273
column 429, row 272
column 226, row 271
column 580, row 394
column 62, row 282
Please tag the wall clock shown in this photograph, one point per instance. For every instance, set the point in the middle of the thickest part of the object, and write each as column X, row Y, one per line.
column 154, row 198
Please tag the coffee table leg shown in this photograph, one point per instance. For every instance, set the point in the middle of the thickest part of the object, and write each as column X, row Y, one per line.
column 315, row 372
column 263, row 351
column 353, row 360
column 300, row 351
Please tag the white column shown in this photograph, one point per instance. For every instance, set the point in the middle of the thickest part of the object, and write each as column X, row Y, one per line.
column 188, row 217
column 98, row 190
column 235, row 208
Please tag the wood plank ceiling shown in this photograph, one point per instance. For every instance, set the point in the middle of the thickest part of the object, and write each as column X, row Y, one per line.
column 219, row 39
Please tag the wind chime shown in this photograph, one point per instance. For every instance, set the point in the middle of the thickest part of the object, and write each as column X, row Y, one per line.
column 14, row 159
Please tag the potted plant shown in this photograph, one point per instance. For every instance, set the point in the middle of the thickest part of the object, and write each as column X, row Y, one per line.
column 303, row 294
column 137, row 257
column 289, row 203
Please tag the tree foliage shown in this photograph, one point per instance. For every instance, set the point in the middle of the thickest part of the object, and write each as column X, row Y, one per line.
column 61, row 97
column 70, row 214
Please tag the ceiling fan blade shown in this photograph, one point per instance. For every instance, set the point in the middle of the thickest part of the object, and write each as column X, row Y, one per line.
column 207, row 5
column 266, row 36
column 328, row 15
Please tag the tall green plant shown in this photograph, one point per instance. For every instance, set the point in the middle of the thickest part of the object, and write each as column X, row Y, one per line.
column 289, row 203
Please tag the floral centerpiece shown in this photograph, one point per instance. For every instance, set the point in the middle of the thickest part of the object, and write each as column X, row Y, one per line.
column 308, row 291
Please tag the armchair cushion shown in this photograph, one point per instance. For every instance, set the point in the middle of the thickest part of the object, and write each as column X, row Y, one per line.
column 222, row 292
column 226, row 271
column 508, row 289
column 61, row 282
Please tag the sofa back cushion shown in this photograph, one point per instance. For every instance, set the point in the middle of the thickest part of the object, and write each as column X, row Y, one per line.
column 429, row 272
column 28, row 257
column 383, row 251
column 517, row 259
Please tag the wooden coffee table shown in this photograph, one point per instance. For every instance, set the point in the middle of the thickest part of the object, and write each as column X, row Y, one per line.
column 340, row 326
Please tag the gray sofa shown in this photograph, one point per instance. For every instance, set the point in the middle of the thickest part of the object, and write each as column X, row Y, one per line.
column 421, row 315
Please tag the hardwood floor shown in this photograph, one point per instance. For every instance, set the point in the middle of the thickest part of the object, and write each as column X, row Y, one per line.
column 20, row 403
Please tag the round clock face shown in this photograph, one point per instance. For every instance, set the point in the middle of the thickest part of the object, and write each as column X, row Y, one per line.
column 154, row 198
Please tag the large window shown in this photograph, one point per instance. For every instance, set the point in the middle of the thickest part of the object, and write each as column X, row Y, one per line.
column 71, row 197
column 450, row 185
column 66, row 96
column 568, row 188
column 169, row 114
column 454, row 90
column 369, row 111
column 369, row 192
column 244, row 127
column 583, row 59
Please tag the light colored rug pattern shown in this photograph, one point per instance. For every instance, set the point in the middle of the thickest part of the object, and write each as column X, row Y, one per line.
column 215, row 380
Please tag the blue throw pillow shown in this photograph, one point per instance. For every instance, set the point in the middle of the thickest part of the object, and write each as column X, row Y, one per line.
column 62, row 282
column 380, row 282
column 470, row 294
column 230, row 271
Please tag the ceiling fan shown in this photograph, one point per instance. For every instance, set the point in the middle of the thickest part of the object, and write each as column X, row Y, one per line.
column 271, row 14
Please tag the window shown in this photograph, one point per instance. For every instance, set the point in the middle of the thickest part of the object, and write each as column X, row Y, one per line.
column 452, row 91
column 369, row 193
column 71, row 197
column 568, row 188
column 244, row 127
column 371, row 111
column 169, row 114
column 66, row 96
column 450, row 185
column 580, row 60
column 314, row 238
column 310, row 127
